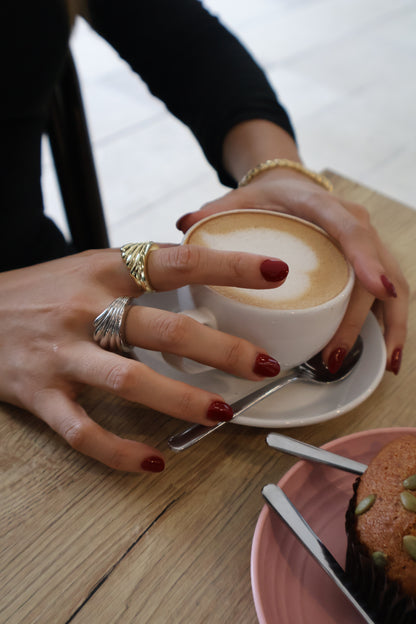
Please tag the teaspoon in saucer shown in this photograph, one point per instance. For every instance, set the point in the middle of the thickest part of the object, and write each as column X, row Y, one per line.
column 312, row 371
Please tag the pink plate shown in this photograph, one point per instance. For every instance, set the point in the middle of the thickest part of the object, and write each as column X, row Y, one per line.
column 288, row 585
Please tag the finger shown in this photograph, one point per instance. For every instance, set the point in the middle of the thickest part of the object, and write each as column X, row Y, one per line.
column 134, row 381
column 173, row 267
column 336, row 350
column 72, row 423
column 165, row 331
column 346, row 222
column 375, row 267
column 238, row 199
column 395, row 315
column 350, row 225
column 233, row 200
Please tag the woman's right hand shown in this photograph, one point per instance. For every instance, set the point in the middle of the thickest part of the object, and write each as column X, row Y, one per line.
column 380, row 283
column 47, row 351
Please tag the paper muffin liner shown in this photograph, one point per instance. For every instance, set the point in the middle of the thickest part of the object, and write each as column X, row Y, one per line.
column 385, row 598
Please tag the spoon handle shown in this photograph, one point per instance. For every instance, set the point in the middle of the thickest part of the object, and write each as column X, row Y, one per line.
column 280, row 503
column 313, row 453
column 190, row 436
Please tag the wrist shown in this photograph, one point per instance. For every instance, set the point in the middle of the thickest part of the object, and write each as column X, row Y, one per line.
column 252, row 142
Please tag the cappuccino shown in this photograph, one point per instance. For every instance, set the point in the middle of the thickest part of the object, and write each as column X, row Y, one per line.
column 318, row 271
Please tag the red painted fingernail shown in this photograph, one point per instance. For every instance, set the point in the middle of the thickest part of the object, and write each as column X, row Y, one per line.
column 220, row 411
column 274, row 270
column 180, row 222
column 396, row 360
column 266, row 366
column 153, row 464
column 336, row 359
column 388, row 286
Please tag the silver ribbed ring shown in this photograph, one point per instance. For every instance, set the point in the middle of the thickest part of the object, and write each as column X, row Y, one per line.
column 109, row 326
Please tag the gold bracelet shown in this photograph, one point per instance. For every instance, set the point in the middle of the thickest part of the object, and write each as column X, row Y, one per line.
column 289, row 164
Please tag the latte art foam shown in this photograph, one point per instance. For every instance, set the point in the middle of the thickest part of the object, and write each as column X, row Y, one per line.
column 317, row 268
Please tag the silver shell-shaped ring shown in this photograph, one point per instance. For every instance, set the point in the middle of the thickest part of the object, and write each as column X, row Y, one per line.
column 109, row 326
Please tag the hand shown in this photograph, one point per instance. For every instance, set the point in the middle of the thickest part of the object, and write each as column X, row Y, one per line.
column 47, row 352
column 380, row 283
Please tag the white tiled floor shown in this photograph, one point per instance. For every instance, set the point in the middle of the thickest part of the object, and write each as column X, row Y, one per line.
column 343, row 68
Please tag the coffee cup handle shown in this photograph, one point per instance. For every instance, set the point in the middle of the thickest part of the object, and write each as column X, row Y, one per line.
column 205, row 317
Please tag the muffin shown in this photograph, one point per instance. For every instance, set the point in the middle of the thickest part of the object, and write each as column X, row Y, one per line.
column 381, row 531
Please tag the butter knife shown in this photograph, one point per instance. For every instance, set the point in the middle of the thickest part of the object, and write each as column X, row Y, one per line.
column 279, row 502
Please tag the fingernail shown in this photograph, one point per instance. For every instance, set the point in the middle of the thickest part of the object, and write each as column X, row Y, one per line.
column 266, row 366
column 336, row 359
column 220, row 411
column 396, row 360
column 274, row 270
column 153, row 464
column 180, row 222
column 388, row 286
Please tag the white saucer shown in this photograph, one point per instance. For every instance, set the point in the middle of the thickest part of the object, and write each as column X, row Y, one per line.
column 299, row 403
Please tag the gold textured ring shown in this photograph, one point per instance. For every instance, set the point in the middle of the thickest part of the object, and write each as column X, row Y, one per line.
column 135, row 256
column 109, row 326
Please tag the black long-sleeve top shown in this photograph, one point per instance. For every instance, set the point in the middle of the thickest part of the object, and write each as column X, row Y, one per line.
column 187, row 58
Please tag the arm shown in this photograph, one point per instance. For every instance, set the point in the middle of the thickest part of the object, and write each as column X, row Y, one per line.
column 255, row 141
column 196, row 66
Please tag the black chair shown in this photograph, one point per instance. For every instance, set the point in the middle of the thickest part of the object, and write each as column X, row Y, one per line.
column 74, row 163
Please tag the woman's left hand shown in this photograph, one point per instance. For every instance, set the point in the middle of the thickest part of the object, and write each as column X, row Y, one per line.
column 380, row 283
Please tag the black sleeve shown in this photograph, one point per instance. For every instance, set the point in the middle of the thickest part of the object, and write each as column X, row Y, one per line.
column 33, row 46
column 190, row 61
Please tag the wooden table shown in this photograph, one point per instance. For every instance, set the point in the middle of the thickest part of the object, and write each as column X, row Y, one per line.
column 81, row 543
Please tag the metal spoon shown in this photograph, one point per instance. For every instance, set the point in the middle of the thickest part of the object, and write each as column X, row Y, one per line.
column 312, row 371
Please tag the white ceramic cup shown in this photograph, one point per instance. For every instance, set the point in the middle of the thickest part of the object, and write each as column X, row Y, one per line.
column 290, row 335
